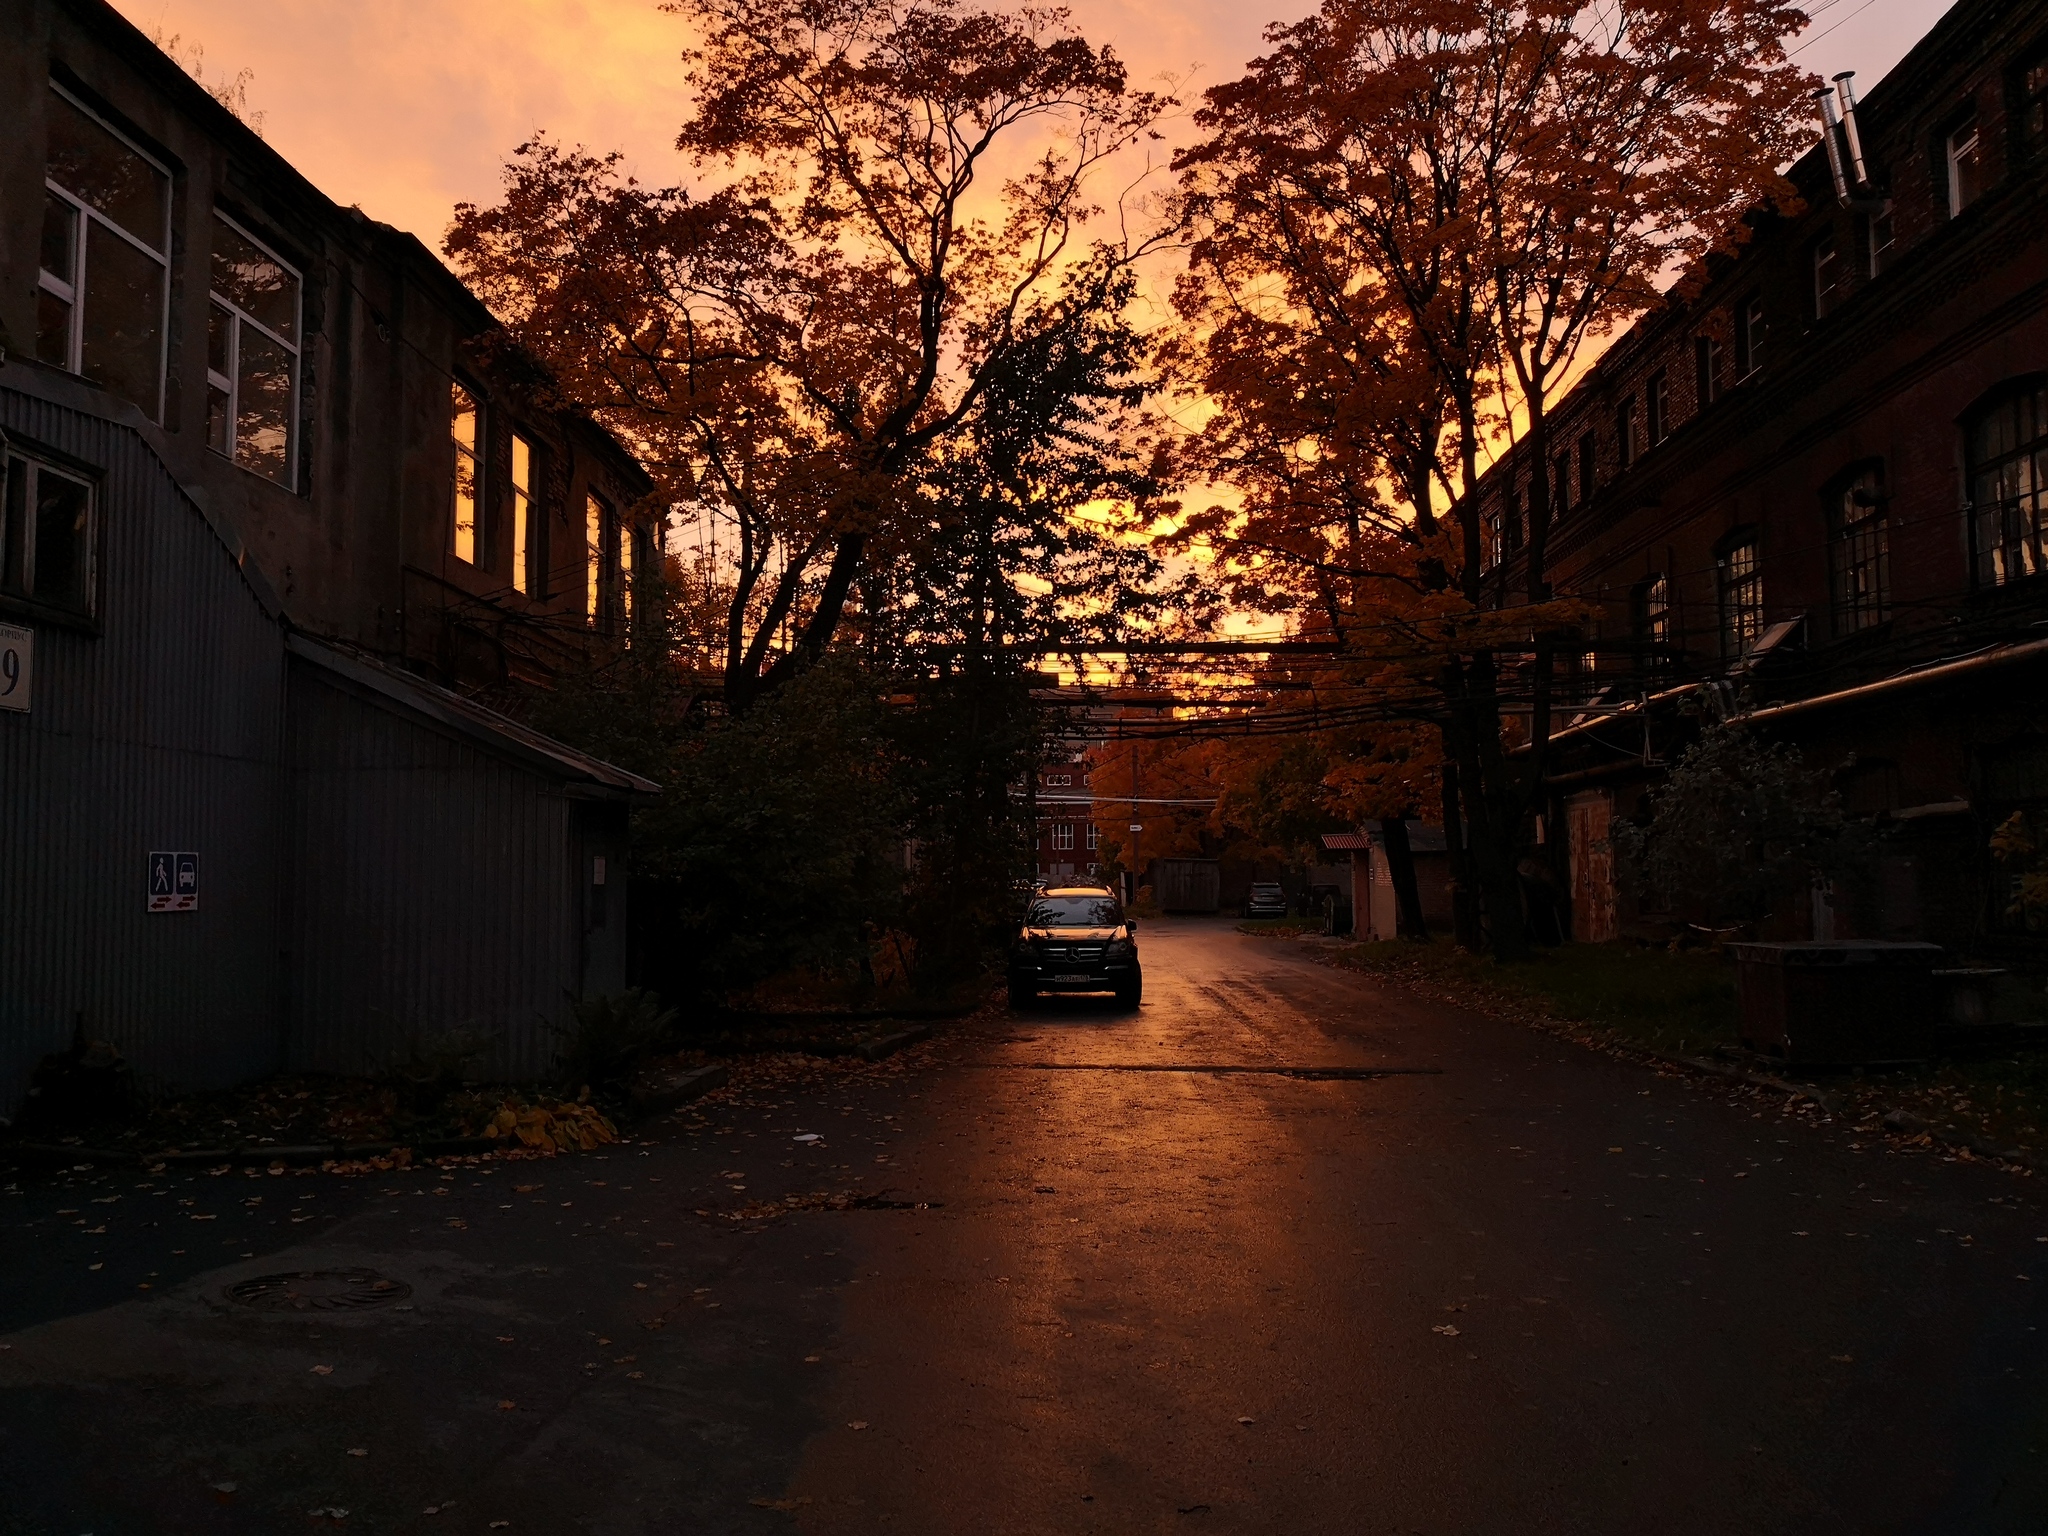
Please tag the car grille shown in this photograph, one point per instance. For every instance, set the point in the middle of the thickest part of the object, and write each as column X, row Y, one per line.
column 1072, row 954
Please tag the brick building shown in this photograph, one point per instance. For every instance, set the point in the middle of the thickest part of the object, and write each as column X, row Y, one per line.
column 1821, row 482
column 1068, row 837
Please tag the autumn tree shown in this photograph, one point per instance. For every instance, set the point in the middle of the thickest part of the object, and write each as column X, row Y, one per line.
column 890, row 217
column 1458, row 199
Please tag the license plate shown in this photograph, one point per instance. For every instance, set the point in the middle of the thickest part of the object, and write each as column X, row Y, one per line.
column 1072, row 978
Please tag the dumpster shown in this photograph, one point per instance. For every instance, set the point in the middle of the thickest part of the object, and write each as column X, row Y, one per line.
column 1838, row 1001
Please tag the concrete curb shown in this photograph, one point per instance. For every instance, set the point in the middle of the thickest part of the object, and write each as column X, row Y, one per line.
column 656, row 1094
column 889, row 1045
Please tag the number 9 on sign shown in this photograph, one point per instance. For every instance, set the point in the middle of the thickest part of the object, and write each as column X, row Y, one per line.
column 17, row 658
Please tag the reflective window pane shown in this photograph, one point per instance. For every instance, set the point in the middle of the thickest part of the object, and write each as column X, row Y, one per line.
column 53, row 330
column 122, row 348
column 219, row 409
column 63, row 564
column 254, row 282
column 263, row 403
column 220, row 330
column 87, row 160
column 60, row 235
column 464, row 431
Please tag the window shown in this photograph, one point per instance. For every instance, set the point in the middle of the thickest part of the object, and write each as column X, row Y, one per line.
column 1742, row 596
column 1490, row 555
column 1561, row 483
column 2008, row 449
column 1883, row 236
column 102, row 293
column 1858, row 555
column 2034, row 103
column 1625, row 432
column 1063, row 837
column 1706, row 357
column 1829, row 288
column 46, row 538
column 1588, row 467
column 1660, row 407
column 465, row 431
column 627, row 535
column 523, row 523
column 252, row 354
column 1965, row 173
column 596, row 521
column 1749, row 337
column 1094, row 837
column 1651, row 619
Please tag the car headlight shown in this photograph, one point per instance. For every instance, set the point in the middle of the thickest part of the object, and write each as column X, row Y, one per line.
column 1121, row 949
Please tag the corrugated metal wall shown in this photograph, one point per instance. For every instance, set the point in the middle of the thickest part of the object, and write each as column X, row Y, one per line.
column 163, row 732
column 435, row 888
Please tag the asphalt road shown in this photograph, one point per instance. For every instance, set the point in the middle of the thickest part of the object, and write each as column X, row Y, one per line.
column 1510, row 1286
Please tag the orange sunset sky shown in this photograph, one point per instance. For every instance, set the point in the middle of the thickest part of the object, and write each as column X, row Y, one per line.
column 411, row 106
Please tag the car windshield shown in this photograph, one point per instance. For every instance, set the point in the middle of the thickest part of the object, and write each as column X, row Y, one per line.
column 1075, row 912
column 1265, row 890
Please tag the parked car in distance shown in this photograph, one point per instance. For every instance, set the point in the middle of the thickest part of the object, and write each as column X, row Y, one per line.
column 1075, row 938
column 1267, row 899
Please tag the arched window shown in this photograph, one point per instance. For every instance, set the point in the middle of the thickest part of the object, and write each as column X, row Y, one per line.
column 1859, row 556
column 1741, row 582
column 2008, row 450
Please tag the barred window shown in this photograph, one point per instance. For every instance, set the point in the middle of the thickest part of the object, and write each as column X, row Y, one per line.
column 1859, row 557
column 1742, row 596
column 2008, row 446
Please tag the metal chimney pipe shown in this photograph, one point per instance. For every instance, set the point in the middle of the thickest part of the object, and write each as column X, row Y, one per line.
column 1847, row 93
column 1827, row 135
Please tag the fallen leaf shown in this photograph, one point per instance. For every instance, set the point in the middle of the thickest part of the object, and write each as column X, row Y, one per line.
column 1243, row 1420
column 812, row 1359
column 323, row 1370
column 635, row 1375
column 359, row 1450
column 857, row 1424
column 506, row 1402
column 96, row 1266
column 639, row 1285
column 1843, row 1359
column 1448, row 1330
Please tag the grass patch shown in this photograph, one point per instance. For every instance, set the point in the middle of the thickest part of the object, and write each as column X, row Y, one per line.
column 1668, row 1002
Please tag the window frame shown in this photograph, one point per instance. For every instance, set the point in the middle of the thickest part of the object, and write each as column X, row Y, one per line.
column 478, row 453
column 1658, row 412
column 1880, row 252
column 1968, row 133
column 1857, row 545
column 1738, row 639
column 1827, row 256
column 231, row 384
column 1750, row 332
column 1650, row 620
column 2021, row 521
column 20, row 601
column 1063, row 837
column 72, row 289
column 1589, row 466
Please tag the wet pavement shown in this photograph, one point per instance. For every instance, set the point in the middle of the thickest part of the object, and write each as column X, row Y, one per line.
column 1508, row 1286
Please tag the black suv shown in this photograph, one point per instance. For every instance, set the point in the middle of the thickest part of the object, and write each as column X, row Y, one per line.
column 1075, row 938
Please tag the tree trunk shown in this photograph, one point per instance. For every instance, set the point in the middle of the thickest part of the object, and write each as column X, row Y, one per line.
column 1464, row 910
column 1496, row 818
column 1408, row 921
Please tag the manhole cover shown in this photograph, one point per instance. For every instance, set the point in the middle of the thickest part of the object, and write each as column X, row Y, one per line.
column 319, row 1290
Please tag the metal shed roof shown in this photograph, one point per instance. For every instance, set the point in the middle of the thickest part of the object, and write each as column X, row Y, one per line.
column 473, row 721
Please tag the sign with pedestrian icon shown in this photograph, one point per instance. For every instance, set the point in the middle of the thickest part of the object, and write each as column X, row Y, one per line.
column 174, row 882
